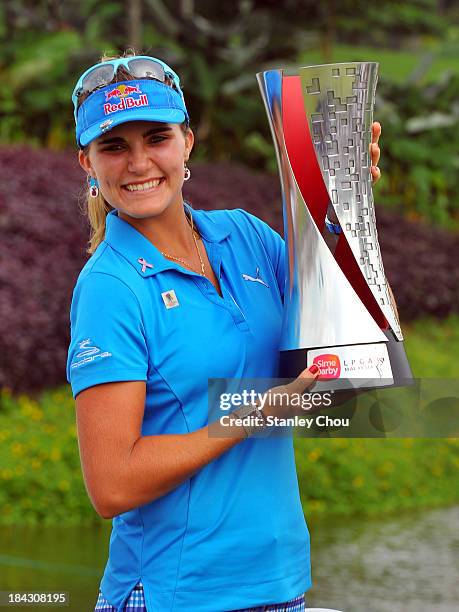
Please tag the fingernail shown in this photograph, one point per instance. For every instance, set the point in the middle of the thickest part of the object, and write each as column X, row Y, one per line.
column 314, row 369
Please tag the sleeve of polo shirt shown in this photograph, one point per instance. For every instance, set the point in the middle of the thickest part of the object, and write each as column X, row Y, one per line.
column 274, row 245
column 107, row 334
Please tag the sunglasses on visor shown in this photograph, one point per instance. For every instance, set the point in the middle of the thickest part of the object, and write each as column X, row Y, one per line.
column 139, row 67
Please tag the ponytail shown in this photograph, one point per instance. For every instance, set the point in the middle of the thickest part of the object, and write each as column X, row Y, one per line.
column 97, row 210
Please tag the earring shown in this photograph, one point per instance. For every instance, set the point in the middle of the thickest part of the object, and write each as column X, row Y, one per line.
column 93, row 187
column 187, row 174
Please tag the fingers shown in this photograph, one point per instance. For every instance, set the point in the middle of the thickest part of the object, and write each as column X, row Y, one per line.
column 375, row 132
column 375, row 151
column 375, row 154
column 305, row 380
column 375, row 174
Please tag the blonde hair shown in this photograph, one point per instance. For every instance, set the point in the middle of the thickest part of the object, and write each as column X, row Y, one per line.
column 97, row 209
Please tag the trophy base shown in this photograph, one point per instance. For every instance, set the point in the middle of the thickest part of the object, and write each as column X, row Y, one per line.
column 355, row 366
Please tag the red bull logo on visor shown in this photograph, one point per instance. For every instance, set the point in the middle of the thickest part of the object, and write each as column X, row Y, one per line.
column 122, row 92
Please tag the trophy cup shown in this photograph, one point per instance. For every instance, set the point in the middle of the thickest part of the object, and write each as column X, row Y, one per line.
column 338, row 311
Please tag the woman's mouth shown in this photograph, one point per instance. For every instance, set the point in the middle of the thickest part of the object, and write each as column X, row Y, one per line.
column 149, row 185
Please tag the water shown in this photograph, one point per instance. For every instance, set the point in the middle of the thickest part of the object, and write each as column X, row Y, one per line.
column 408, row 563
column 67, row 559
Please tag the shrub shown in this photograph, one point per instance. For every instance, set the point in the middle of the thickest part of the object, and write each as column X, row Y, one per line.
column 40, row 471
column 348, row 477
column 42, row 249
column 420, row 140
column 419, row 260
column 44, row 241
column 41, row 481
column 421, row 265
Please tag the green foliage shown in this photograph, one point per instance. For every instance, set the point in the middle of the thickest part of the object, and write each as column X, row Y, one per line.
column 420, row 143
column 351, row 477
column 41, row 480
column 393, row 19
column 218, row 49
column 432, row 347
column 396, row 65
column 40, row 473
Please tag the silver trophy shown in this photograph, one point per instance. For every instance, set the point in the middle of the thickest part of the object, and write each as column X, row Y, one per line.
column 338, row 311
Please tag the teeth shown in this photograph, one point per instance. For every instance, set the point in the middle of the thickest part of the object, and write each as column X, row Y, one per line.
column 143, row 186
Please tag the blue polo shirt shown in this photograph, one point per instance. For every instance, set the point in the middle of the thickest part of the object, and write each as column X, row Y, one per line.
column 233, row 535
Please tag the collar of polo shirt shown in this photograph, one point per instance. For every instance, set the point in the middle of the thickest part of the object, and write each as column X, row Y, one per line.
column 134, row 246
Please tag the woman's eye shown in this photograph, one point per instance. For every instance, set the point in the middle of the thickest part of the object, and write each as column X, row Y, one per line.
column 114, row 148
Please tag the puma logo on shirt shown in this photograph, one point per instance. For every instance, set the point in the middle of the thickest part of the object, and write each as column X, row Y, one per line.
column 256, row 279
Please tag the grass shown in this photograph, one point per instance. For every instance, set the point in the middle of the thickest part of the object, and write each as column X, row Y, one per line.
column 433, row 347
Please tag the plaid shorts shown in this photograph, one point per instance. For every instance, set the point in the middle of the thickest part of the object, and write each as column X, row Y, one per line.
column 136, row 603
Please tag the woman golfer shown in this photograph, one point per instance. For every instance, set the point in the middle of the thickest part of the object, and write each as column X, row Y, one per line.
column 206, row 518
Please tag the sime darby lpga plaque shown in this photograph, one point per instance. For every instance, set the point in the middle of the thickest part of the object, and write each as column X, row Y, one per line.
column 338, row 311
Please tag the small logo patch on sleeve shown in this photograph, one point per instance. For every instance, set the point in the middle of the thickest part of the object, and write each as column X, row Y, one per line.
column 88, row 354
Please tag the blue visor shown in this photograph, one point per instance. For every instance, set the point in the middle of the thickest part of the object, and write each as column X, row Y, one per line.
column 140, row 100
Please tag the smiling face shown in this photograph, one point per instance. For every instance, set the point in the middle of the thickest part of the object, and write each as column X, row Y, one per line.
column 140, row 166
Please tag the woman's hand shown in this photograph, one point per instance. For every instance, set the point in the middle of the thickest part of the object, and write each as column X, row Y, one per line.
column 375, row 151
column 276, row 403
column 285, row 400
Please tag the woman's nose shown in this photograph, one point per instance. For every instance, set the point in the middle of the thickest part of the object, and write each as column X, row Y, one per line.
column 139, row 160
